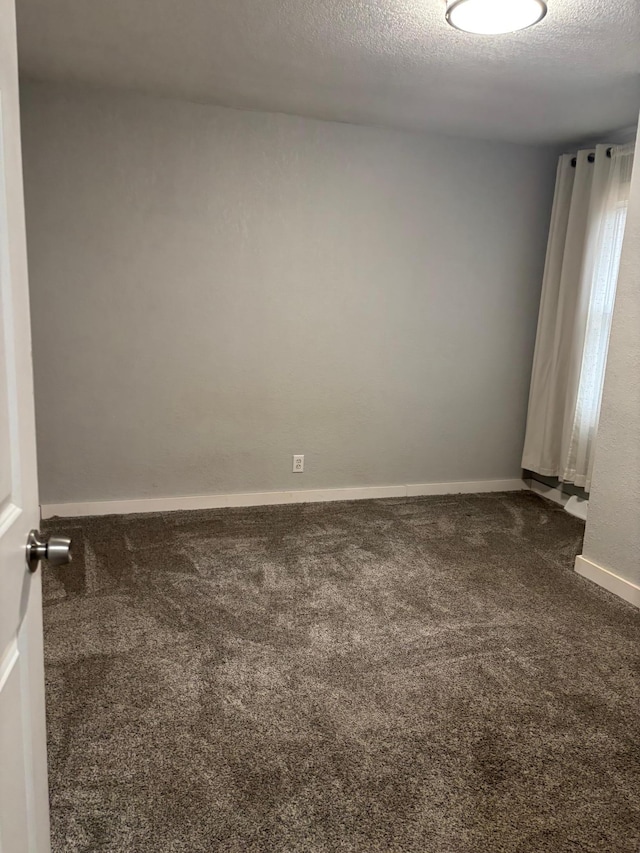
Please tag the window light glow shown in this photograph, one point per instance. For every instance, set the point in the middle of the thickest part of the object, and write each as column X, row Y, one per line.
column 492, row 17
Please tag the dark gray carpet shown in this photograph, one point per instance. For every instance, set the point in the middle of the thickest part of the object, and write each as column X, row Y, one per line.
column 399, row 675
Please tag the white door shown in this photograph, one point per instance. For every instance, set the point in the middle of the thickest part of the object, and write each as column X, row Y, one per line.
column 24, row 818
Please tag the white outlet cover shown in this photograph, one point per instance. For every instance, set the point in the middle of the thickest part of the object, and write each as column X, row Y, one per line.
column 298, row 463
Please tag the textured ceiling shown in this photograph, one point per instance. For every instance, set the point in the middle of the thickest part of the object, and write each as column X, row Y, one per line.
column 392, row 62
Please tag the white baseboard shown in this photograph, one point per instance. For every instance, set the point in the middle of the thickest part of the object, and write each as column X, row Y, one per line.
column 621, row 587
column 555, row 495
column 124, row 507
column 470, row 488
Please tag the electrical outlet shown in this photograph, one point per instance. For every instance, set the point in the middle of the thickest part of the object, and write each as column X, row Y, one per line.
column 298, row 463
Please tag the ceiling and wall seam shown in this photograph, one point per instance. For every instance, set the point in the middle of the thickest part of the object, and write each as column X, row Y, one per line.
column 394, row 63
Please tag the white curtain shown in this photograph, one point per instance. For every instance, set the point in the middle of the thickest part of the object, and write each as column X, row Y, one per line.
column 578, row 292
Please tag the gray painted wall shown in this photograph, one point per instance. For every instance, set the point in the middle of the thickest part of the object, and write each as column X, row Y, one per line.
column 612, row 536
column 214, row 290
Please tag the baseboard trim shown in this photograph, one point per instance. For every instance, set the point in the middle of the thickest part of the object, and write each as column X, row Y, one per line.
column 621, row 587
column 125, row 507
column 468, row 488
column 553, row 494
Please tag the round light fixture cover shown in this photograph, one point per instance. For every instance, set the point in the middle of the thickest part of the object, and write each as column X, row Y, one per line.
column 493, row 17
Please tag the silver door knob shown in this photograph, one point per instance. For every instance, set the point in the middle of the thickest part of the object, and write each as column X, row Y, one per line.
column 55, row 549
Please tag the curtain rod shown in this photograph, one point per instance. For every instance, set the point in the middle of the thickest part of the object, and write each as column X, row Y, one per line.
column 590, row 158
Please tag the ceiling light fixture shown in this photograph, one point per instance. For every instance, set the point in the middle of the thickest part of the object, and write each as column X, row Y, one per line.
column 492, row 17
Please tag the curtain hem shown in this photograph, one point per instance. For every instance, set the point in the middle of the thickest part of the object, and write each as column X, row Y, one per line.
column 545, row 472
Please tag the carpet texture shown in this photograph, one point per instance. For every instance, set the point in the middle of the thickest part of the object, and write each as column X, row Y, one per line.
column 401, row 675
